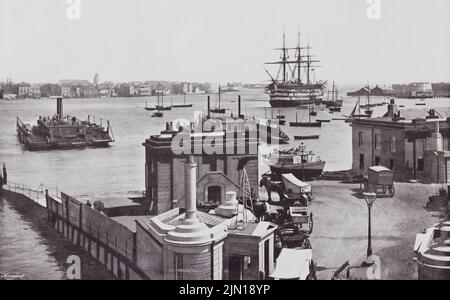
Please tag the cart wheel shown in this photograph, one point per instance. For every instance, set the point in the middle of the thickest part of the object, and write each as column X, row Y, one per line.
column 311, row 223
column 306, row 244
column 391, row 190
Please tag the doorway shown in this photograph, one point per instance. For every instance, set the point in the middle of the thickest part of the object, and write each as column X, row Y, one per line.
column 214, row 194
column 235, row 264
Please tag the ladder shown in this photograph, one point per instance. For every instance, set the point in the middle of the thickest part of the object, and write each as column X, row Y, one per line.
column 247, row 204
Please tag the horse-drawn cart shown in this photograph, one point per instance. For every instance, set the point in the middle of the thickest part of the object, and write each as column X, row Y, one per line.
column 380, row 180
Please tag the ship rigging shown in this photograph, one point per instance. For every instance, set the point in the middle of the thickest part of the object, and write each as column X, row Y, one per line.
column 291, row 90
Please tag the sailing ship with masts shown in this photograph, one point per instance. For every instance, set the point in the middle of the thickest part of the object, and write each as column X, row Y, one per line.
column 333, row 102
column 297, row 85
column 218, row 109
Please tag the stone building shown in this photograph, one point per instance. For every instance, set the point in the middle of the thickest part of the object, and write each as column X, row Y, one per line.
column 217, row 173
column 414, row 143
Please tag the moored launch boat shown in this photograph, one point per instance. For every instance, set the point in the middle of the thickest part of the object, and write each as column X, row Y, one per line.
column 304, row 165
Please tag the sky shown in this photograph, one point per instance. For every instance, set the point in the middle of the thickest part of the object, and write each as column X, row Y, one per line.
column 222, row 40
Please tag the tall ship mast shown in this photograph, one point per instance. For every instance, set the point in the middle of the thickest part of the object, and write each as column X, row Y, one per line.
column 296, row 85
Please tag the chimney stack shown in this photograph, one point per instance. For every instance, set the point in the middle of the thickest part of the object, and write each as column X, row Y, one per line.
column 190, row 188
column 392, row 109
column 239, row 107
column 190, row 229
column 5, row 175
column 59, row 106
column 209, row 116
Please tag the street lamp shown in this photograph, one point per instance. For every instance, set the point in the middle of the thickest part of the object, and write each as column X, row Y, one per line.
column 302, row 150
column 370, row 199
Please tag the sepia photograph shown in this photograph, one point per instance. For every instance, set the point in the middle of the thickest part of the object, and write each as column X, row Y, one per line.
column 195, row 141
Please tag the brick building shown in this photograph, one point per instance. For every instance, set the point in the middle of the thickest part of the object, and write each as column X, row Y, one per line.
column 414, row 143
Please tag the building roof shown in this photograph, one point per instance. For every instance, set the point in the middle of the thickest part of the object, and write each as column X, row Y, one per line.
column 110, row 199
column 130, row 221
column 407, row 115
column 75, row 82
column 209, row 219
column 411, row 114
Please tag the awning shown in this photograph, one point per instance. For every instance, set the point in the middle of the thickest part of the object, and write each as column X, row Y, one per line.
column 293, row 264
column 293, row 183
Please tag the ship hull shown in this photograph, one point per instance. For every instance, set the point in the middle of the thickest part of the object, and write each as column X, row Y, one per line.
column 293, row 103
column 310, row 170
column 33, row 142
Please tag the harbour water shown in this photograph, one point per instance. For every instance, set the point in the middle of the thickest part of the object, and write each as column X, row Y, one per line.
column 121, row 166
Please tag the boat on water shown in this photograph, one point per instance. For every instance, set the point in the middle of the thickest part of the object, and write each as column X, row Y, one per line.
column 64, row 132
column 369, row 111
column 303, row 165
column 306, row 137
column 182, row 105
column 158, row 106
column 230, row 88
column 293, row 89
column 157, row 114
column 218, row 109
column 356, row 112
column 305, row 124
column 333, row 103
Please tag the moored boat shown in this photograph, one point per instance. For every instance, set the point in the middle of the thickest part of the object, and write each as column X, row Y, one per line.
column 64, row 132
column 304, row 165
column 292, row 90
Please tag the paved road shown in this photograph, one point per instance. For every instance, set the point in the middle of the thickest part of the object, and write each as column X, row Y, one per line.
column 340, row 228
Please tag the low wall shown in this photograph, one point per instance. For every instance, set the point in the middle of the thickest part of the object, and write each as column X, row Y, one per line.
column 112, row 244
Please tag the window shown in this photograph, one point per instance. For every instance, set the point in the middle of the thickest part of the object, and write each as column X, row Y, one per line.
column 391, row 164
column 361, row 162
column 361, row 141
column 377, row 142
column 213, row 165
column 393, row 146
column 420, row 165
column 210, row 160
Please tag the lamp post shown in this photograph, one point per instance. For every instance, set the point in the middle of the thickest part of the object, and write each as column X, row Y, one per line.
column 370, row 199
column 302, row 150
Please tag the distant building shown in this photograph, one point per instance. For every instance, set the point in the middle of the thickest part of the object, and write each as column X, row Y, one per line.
column 124, row 90
column 24, row 89
column 78, row 89
column 413, row 90
column 96, row 79
column 50, row 89
column 143, row 90
column 441, row 89
column 36, row 90
column 376, row 91
column 106, row 90
column 413, row 143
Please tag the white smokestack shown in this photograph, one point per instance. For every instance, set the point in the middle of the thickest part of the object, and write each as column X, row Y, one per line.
column 190, row 188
